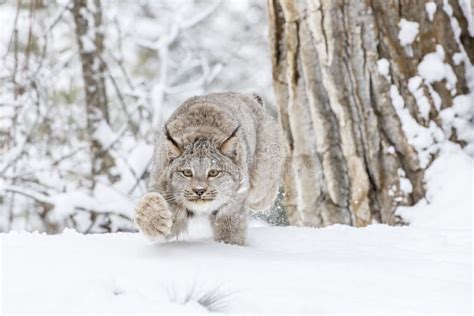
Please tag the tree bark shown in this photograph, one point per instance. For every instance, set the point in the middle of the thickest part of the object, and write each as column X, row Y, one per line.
column 90, row 40
column 351, row 160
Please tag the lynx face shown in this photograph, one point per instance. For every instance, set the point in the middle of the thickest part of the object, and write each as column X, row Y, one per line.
column 213, row 159
column 203, row 178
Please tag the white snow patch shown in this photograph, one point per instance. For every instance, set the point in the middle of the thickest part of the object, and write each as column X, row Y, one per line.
column 408, row 31
column 451, row 78
column 103, row 199
column 405, row 184
column 423, row 139
column 447, row 118
column 459, row 117
column 448, row 204
column 414, row 86
column 467, row 12
column 65, row 204
column 104, row 134
column 88, row 45
column 458, row 58
column 453, row 21
column 383, row 67
column 431, row 68
column 281, row 270
column 414, row 83
column 435, row 97
column 390, row 150
column 463, row 106
column 430, row 8
column 133, row 166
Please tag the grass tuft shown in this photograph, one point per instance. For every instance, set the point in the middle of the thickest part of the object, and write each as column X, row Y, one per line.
column 216, row 299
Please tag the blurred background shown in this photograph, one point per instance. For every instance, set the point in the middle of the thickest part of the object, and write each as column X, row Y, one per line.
column 153, row 55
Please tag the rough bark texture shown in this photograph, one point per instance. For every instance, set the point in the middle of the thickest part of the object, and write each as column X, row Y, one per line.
column 90, row 39
column 348, row 149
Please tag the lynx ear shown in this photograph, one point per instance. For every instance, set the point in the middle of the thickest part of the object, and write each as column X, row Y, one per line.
column 174, row 150
column 229, row 146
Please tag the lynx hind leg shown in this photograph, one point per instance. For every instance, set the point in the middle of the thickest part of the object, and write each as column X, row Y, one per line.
column 230, row 228
column 153, row 217
column 264, row 200
column 266, row 177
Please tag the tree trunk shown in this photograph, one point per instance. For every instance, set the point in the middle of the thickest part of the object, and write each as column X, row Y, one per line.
column 362, row 117
column 90, row 39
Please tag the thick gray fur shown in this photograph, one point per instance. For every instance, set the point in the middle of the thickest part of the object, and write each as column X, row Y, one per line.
column 229, row 133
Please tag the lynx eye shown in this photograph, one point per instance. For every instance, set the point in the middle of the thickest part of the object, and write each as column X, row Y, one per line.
column 213, row 173
column 187, row 173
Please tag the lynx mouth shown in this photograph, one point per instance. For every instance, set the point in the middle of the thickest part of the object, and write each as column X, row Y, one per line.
column 201, row 201
column 201, row 206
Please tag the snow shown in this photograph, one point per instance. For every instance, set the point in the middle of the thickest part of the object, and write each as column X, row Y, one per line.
column 104, row 134
column 424, row 139
column 414, row 86
column 135, row 164
column 335, row 269
column 453, row 21
column 405, row 184
column 423, row 267
column 430, row 8
column 464, row 110
column 436, row 98
column 448, row 205
column 65, row 204
column 459, row 117
column 451, row 78
column 463, row 105
column 431, row 68
column 408, row 31
column 107, row 198
column 390, row 150
column 458, row 58
column 467, row 12
column 383, row 67
column 88, row 45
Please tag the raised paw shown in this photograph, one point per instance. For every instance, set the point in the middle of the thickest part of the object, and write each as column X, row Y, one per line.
column 153, row 217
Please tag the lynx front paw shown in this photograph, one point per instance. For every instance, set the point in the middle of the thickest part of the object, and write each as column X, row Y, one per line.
column 153, row 217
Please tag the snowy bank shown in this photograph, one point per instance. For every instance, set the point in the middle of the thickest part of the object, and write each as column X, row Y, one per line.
column 335, row 269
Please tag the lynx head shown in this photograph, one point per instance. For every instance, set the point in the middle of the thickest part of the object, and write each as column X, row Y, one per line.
column 204, row 173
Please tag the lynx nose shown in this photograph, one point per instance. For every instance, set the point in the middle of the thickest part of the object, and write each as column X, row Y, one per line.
column 199, row 191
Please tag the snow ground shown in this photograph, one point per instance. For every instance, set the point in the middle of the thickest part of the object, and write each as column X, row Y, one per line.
column 336, row 269
column 424, row 267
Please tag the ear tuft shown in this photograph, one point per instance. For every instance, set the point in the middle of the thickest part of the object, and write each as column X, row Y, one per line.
column 229, row 147
column 174, row 150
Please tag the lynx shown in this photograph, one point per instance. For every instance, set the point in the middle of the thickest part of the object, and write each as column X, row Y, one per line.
column 218, row 156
